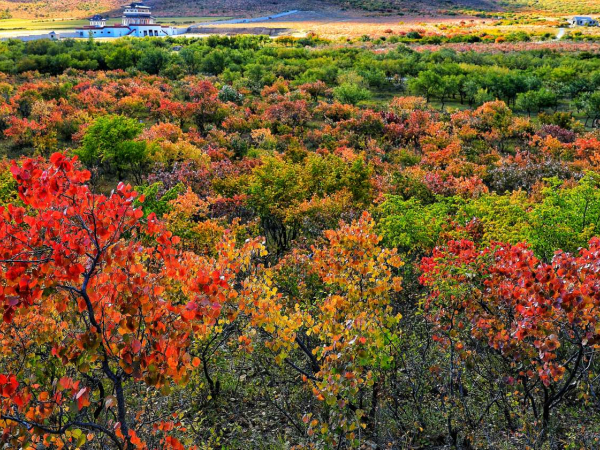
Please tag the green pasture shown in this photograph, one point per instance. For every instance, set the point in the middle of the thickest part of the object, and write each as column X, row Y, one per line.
column 68, row 24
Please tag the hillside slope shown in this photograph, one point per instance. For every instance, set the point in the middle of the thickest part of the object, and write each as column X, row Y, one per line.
column 244, row 7
column 84, row 8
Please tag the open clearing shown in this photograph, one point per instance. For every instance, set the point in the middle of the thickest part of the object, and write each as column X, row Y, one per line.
column 332, row 24
column 336, row 24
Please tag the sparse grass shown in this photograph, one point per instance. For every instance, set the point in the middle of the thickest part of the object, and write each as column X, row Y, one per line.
column 554, row 6
column 187, row 20
column 29, row 24
column 67, row 24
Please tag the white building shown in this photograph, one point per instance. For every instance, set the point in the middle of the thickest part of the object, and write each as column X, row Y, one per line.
column 137, row 21
column 98, row 21
column 583, row 21
column 137, row 14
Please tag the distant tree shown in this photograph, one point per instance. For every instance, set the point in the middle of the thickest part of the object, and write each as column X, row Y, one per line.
column 153, row 61
column 427, row 84
column 351, row 93
column 123, row 57
column 528, row 102
column 192, row 59
column 109, row 142
column 229, row 94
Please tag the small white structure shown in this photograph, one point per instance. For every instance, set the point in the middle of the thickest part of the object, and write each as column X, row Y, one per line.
column 583, row 21
column 98, row 21
column 137, row 21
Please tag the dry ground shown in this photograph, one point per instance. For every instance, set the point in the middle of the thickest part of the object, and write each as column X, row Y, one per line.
column 333, row 24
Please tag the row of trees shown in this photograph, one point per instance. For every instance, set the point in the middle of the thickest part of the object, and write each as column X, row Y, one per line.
column 531, row 81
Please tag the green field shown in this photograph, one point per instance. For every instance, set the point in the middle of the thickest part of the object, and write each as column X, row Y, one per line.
column 67, row 24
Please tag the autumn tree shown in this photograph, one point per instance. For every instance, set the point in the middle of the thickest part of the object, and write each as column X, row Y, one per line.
column 513, row 330
column 329, row 316
column 110, row 143
column 97, row 303
column 283, row 193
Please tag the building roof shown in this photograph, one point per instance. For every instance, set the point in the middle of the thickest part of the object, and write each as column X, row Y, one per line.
column 88, row 27
column 147, row 25
column 582, row 18
column 137, row 5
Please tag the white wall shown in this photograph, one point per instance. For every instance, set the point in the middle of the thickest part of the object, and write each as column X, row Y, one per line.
column 133, row 30
column 103, row 32
column 151, row 30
